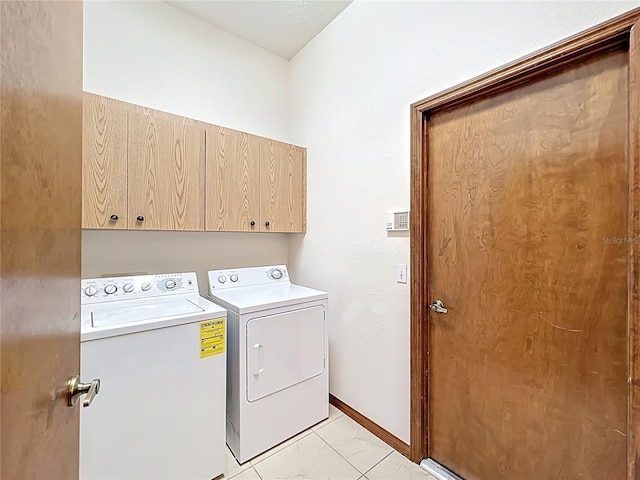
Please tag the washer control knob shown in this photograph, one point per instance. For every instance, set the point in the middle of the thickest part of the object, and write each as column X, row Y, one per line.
column 276, row 274
column 90, row 291
column 222, row 279
column 128, row 287
column 234, row 278
column 146, row 286
column 110, row 289
column 170, row 284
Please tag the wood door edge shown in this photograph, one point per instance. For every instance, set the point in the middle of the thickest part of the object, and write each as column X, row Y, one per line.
column 614, row 33
column 383, row 434
column 633, row 402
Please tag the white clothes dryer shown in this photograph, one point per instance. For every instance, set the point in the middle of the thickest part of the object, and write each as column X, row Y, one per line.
column 158, row 348
column 278, row 365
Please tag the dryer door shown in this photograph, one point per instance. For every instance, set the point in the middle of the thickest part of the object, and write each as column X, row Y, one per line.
column 284, row 349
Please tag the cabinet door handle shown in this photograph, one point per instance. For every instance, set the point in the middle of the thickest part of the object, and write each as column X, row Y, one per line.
column 266, row 224
column 140, row 219
column 113, row 218
column 253, row 224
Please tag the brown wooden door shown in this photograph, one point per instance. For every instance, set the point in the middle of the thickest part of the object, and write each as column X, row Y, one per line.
column 233, row 181
column 104, row 159
column 528, row 198
column 282, row 187
column 166, row 174
column 40, row 213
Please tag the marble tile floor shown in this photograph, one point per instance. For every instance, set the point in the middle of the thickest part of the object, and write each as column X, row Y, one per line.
column 336, row 449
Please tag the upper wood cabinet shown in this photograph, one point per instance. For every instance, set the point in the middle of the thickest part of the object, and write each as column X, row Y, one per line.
column 254, row 184
column 166, row 174
column 233, row 192
column 150, row 170
column 283, row 173
column 104, row 172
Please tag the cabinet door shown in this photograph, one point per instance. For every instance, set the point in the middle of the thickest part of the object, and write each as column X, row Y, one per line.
column 283, row 187
column 233, row 181
column 104, row 165
column 166, row 174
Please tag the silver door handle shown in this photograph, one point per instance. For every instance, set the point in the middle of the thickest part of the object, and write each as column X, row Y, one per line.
column 438, row 307
column 77, row 389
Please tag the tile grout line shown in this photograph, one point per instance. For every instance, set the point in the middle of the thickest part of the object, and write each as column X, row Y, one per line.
column 320, row 427
column 381, row 460
column 242, row 470
column 310, row 430
column 361, row 473
column 283, row 448
column 257, row 472
column 374, row 465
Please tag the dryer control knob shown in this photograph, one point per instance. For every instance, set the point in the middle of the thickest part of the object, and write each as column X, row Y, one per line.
column 90, row 291
column 234, row 278
column 170, row 284
column 276, row 274
column 145, row 286
column 222, row 279
column 128, row 287
column 110, row 289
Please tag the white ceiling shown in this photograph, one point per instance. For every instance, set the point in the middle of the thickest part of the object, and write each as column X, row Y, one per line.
column 282, row 27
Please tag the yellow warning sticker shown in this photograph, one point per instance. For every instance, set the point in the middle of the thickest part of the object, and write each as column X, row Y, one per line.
column 211, row 337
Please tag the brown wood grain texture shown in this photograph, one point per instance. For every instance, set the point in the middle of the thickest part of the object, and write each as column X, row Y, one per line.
column 419, row 329
column 104, row 175
column 528, row 250
column 40, row 204
column 633, row 430
column 371, row 426
column 608, row 35
column 227, row 207
column 166, row 174
column 282, row 187
column 233, row 189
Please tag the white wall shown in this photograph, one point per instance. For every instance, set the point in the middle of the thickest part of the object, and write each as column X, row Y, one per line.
column 153, row 54
column 351, row 88
column 126, row 252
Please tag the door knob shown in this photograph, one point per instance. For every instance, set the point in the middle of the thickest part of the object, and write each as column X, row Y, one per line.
column 438, row 307
column 76, row 389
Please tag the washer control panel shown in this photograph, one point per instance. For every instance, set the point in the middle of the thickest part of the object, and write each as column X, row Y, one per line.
column 247, row 277
column 95, row 290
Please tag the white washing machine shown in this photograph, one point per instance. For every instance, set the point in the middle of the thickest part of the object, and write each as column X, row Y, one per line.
column 278, row 365
column 158, row 348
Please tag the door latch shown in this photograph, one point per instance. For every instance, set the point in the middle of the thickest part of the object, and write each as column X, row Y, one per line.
column 438, row 307
column 77, row 389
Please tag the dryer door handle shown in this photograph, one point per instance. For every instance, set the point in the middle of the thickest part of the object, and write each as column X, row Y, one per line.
column 258, row 358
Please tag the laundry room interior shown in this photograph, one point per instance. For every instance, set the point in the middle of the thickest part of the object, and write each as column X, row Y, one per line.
column 343, row 98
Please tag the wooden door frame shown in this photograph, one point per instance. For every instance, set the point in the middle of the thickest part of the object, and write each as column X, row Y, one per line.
column 616, row 33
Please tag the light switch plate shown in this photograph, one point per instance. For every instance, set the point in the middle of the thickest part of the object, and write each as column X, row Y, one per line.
column 401, row 273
